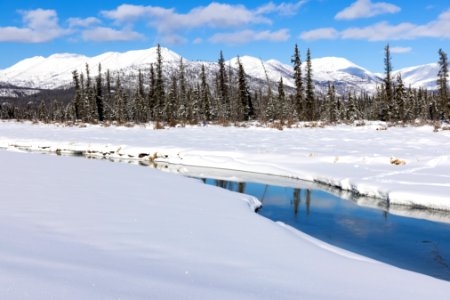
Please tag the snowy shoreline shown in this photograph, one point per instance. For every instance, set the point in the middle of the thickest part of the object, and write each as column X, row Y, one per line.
column 360, row 159
column 78, row 229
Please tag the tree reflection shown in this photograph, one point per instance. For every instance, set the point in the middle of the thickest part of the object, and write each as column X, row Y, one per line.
column 241, row 187
column 308, row 201
column 297, row 200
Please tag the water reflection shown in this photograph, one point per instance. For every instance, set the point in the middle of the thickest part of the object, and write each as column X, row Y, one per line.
column 360, row 225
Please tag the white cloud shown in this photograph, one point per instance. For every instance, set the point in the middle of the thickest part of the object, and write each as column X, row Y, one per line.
column 366, row 9
column 400, row 50
column 320, row 34
column 284, row 9
column 168, row 22
column 40, row 26
column 215, row 15
column 247, row 36
column 87, row 22
column 384, row 31
column 106, row 34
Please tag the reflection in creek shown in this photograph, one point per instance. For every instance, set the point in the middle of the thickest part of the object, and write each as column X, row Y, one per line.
column 362, row 225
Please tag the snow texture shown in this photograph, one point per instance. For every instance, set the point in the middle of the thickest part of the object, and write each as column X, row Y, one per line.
column 78, row 229
column 402, row 165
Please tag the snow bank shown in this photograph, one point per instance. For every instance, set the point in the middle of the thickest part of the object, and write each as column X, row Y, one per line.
column 403, row 165
column 78, row 229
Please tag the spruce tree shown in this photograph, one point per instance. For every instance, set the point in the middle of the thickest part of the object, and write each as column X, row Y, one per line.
column 245, row 102
column 310, row 100
column 281, row 111
column 298, row 97
column 331, row 103
column 119, row 101
column 159, row 85
column 270, row 105
column 77, row 102
column 99, row 95
column 182, row 100
column 108, row 99
column 141, row 107
column 442, row 83
column 172, row 101
column 399, row 100
column 204, row 96
column 222, row 86
column 151, row 102
column 90, row 97
column 388, row 83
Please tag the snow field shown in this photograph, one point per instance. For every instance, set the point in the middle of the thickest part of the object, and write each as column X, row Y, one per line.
column 79, row 229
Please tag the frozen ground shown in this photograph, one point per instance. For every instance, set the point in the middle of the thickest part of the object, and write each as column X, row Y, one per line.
column 350, row 157
column 77, row 229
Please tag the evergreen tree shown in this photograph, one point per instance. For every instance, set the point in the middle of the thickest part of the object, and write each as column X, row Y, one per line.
column 388, row 83
column 245, row 102
column 332, row 103
column 99, row 95
column 140, row 105
column 442, row 83
column 183, row 103
column 310, row 100
column 222, row 86
column 108, row 100
column 77, row 102
column 84, row 100
column 352, row 111
column 151, row 102
column 281, row 109
column 298, row 97
column 91, row 106
column 172, row 101
column 399, row 100
column 42, row 112
column 159, row 85
column 204, row 96
column 270, row 105
column 120, row 110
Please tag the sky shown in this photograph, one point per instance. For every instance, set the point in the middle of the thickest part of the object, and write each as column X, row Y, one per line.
column 356, row 29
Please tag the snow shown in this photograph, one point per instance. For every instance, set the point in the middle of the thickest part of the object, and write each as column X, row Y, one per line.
column 73, row 228
column 354, row 158
column 56, row 70
column 326, row 69
column 423, row 76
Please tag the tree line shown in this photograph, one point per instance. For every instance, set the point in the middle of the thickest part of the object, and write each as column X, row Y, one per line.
column 173, row 99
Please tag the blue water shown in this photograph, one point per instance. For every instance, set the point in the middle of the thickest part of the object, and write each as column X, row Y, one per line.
column 409, row 243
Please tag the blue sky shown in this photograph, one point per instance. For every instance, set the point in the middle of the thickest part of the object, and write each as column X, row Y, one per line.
column 198, row 30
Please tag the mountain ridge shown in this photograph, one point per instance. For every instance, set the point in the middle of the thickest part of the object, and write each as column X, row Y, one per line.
column 55, row 71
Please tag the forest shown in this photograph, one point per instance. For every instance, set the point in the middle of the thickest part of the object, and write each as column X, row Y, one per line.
column 171, row 100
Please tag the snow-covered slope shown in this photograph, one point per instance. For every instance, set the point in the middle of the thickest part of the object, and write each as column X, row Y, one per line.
column 56, row 70
column 423, row 76
column 346, row 76
column 343, row 73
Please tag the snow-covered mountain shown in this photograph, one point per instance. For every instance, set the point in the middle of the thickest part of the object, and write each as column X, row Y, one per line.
column 55, row 71
column 423, row 76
